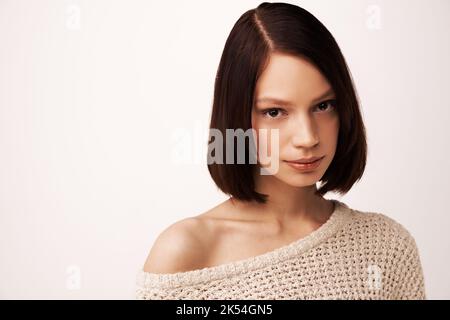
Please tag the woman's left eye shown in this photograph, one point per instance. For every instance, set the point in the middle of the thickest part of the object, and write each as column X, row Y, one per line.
column 331, row 103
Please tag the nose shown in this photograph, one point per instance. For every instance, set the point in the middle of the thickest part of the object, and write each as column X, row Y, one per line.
column 304, row 132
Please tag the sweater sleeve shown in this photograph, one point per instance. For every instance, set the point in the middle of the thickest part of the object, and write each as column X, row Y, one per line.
column 155, row 293
column 151, row 286
column 161, row 293
column 410, row 285
column 152, row 291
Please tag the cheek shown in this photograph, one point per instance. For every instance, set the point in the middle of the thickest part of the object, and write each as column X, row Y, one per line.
column 328, row 127
column 331, row 131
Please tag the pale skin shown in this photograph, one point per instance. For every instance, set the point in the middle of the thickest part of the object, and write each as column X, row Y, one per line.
column 234, row 230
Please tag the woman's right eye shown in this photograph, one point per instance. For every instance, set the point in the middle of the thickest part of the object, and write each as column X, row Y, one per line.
column 272, row 113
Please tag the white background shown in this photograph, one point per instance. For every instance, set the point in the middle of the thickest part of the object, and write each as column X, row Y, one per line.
column 92, row 92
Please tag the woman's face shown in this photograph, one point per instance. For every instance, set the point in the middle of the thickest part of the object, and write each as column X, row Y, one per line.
column 292, row 96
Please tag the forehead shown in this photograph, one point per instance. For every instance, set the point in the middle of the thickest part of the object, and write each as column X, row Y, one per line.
column 291, row 77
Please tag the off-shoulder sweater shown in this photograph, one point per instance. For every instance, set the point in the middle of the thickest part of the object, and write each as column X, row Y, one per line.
column 353, row 255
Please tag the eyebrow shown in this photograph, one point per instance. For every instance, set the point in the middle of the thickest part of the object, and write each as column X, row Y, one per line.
column 327, row 93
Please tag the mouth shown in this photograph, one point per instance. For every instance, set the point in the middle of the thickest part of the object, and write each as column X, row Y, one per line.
column 305, row 160
column 310, row 166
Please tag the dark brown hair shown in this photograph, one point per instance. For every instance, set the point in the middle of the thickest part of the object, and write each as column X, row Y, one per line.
column 284, row 28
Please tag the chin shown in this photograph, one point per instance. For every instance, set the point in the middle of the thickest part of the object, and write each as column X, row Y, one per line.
column 305, row 179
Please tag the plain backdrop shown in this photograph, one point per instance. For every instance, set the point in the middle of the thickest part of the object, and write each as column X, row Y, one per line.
column 98, row 96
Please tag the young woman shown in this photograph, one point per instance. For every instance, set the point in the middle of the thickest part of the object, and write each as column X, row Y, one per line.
column 277, row 237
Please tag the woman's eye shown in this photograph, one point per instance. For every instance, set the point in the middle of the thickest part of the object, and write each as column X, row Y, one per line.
column 272, row 113
column 331, row 103
column 325, row 106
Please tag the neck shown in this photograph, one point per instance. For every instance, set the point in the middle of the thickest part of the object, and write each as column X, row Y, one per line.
column 287, row 203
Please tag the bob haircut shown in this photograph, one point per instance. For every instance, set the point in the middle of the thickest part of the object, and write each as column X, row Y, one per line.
column 289, row 29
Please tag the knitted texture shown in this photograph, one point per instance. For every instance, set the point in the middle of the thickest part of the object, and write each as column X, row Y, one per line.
column 353, row 255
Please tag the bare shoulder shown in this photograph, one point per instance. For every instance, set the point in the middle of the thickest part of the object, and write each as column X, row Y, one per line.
column 195, row 242
column 180, row 247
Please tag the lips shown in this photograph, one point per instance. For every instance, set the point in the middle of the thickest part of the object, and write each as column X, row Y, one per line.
column 306, row 160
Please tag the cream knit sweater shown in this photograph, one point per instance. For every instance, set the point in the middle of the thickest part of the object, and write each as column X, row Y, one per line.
column 353, row 255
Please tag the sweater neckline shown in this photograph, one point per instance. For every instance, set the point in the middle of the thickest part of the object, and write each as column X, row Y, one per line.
column 331, row 226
